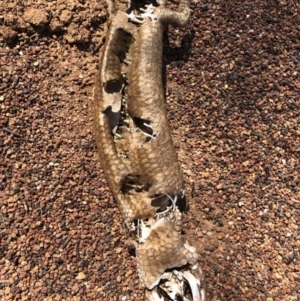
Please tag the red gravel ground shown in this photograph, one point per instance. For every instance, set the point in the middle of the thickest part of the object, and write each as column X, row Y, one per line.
column 233, row 94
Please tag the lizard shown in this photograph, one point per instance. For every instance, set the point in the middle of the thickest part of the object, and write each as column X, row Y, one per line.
column 136, row 149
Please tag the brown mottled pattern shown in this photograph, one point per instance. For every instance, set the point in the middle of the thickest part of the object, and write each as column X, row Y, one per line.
column 113, row 166
column 164, row 247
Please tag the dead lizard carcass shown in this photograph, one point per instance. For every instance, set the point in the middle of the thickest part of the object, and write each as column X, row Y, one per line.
column 136, row 148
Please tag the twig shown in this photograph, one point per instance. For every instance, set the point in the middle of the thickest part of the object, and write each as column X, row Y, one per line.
column 10, row 132
column 25, row 206
column 34, row 35
column 65, row 242
column 98, row 46
column 77, row 251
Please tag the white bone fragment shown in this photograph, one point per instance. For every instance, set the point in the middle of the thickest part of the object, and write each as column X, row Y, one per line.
column 148, row 135
column 172, row 291
column 132, row 228
column 193, row 285
column 195, row 267
column 156, row 297
column 147, row 125
column 203, row 295
column 173, row 288
column 114, row 130
column 172, row 200
column 149, row 15
column 154, row 284
column 133, row 18
column 178, row 274
column 163, row 212
column 149, row 8
column 138, row 228
column 158, row 223
column 165, row 276
column 145, row 231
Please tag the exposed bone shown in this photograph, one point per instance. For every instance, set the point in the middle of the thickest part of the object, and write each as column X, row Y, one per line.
column 145, row 232
column 147, row 125
column 163, row 213
column 149, row 15
column 178, row 274
column 172, row 287
column 148, row 135
column 195, row 267
column 193, row 285
column 172, row 200
column 117, row 135
column 148, row 12
column 133, row 18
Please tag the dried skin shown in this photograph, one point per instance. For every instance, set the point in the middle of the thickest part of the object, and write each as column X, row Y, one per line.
column 107, row 101
column 166, row 248
column 135, row 144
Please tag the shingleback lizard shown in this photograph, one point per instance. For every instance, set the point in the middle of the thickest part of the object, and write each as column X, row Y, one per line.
column 136, row 149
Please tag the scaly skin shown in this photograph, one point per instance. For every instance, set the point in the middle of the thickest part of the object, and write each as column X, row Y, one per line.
column 109, row 70
column 136, row 149
column 156, row 160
